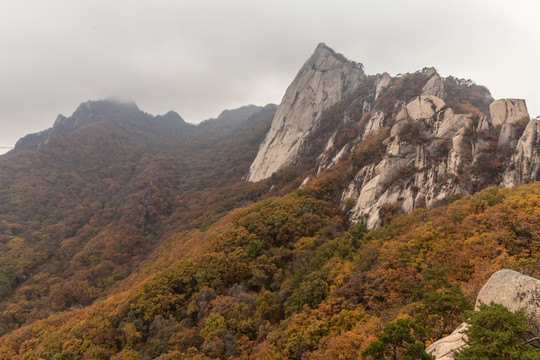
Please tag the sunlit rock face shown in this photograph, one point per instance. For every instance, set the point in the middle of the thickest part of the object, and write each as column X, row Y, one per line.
column 323, row 80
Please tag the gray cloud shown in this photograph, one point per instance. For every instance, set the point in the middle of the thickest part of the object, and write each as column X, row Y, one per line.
column 200, row 57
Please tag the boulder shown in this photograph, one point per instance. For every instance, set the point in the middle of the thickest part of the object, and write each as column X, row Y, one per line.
column 424, row 107
column 514, row 291
column 509, row 288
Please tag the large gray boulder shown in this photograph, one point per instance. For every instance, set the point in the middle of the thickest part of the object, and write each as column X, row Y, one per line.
column 509, row 288
column 514, row 291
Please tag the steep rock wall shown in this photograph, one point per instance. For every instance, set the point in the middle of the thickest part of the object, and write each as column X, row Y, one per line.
column 323, row 81
column 414, row 140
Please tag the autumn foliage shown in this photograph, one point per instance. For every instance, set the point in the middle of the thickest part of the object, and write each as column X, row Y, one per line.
column 284, row 279
column 123, row 242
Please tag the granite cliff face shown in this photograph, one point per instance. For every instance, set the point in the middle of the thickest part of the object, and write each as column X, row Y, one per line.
column 525, row 162
column 414, row 140
column 433, row 153
column 322, row 81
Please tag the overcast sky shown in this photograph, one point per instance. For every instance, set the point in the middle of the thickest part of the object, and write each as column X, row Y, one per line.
column 198, row 57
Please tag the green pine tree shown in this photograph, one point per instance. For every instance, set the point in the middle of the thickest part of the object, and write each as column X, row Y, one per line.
column 399, row 340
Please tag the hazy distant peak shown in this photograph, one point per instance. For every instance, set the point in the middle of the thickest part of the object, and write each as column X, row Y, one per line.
column 86, row 113
column 241, row 112
column 173, row 116
column 106, row 105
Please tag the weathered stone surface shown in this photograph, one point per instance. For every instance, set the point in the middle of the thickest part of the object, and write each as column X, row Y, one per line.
column 382, row 84
column 525, row 163
column 450, row 123
column 509, row 288
column 374, row 124
column 514, row 291
column 424, row 107
column 507, row 111
column 427, row 183
column 434, row 86
column 444, row 348
column 427, row 173
column 323, row 80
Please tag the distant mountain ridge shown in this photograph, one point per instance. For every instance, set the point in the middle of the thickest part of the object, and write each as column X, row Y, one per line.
column 112, row 110
column 91, row 112
column 91, row 197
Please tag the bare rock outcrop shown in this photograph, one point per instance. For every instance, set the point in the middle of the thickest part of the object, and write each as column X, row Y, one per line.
column 321, row 82
column 509, row 114
column 382, row 84
column 509, row 288
column 435, row 85
column 525, row 162
column 507, row 111
column 425, row 153
column 444, row 348
column 428, row 138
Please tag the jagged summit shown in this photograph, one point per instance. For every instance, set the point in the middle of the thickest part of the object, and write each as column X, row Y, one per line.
column 323, row 46
column 413, row 140
column 325, row 78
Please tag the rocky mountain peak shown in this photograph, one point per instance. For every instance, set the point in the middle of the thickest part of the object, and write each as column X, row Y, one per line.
column 324, row 79
column 414, row 140
column 92, row 111
column 435, row 85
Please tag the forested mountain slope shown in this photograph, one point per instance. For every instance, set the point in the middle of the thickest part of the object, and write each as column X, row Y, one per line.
column 81, row 208
column 285, row 278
